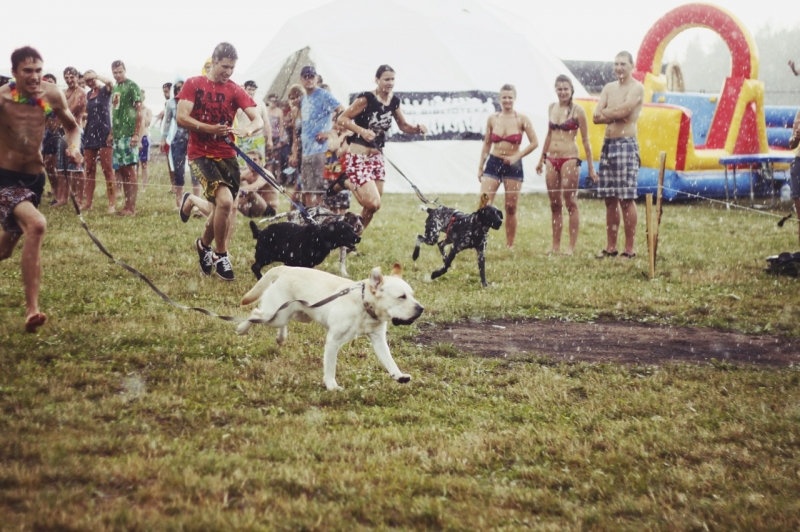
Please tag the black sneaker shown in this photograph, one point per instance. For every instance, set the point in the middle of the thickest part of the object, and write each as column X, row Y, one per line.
column 223, row 267
column 206, row 257
column 184, row 217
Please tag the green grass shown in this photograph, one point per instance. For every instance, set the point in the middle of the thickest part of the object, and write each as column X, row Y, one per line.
column 125, row 413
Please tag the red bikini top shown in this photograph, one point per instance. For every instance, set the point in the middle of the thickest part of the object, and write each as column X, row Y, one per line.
column 516, row 138
column 570, row 124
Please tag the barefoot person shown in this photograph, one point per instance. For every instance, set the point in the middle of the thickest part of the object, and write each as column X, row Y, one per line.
column 619, row 107
column 370, row 117
column 560, row 150
column 126, row 101
column 502, row 156
column 794, row 172
column 24, row 104
column 207, row 106
column 76, row 100
column 98, row 128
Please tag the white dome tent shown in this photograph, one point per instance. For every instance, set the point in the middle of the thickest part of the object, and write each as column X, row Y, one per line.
column 451, row 58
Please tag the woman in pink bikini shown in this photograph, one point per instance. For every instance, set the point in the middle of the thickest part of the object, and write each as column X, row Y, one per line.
column 501, row 157
column 560, row 150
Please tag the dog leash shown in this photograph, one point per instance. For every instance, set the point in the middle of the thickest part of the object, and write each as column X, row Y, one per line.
column 170, row 301
column 419, row 194
column 260, row 171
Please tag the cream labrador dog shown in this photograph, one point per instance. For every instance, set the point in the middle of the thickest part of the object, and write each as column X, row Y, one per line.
column 345, row 309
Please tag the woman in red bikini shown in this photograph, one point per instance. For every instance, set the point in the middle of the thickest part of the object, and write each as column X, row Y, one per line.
column 502, row 156
column 560, row 150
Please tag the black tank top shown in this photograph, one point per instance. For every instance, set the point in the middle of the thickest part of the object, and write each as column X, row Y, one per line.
column 377, row 118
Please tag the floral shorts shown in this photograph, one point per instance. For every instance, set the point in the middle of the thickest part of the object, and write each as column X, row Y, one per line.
column 10, row 197
column 361, row 169
column 122, row 153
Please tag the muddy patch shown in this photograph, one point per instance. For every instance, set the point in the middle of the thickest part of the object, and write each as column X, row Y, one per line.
column 620, row 342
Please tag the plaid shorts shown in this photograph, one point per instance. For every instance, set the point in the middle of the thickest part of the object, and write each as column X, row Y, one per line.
column 619, row 168
column 361, row 169
column 122, row 153
column 215, row 172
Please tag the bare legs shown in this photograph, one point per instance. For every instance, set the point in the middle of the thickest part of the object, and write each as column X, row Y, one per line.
column 489, row 185
column 130, row 187
column 91, row 157
column 369, row 196
column 562, row 189
column 219, row 221
column 614, row 207
column 33, row 227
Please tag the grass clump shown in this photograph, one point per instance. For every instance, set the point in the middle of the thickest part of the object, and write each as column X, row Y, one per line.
column 125, row 413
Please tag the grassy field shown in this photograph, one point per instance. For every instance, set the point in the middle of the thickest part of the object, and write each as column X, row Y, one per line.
column 127, row 414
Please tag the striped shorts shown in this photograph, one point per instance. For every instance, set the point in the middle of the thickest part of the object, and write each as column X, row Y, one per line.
column 619, row 168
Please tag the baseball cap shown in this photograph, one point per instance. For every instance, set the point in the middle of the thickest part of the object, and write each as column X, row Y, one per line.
column 250, row 83
column 308, row 70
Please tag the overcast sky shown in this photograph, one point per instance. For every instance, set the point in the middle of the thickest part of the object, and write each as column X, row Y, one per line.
column 169, row 36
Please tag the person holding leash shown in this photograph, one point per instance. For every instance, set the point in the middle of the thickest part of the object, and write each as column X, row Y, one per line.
column 25, row 103
column 560, row 150
column 502, row 156
column 207, row 106
column 370, row 117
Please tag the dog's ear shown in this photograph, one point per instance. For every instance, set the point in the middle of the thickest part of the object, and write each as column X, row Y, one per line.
column 484, row 201
column 397, row 270
column 375, row 279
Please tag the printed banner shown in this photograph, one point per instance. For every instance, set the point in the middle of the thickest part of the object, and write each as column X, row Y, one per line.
column 458, row 115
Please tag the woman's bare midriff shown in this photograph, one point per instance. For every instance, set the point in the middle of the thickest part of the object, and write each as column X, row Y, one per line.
column 360, row 149
column 563, row 145
column 504, row 149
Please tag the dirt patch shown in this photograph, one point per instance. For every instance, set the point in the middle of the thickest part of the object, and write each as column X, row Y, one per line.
column 627, row 343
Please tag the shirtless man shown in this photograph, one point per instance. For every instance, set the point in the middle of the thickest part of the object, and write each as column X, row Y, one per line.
column 619, row 108
column 144, row 146
column 76, row 100
column 22, row 168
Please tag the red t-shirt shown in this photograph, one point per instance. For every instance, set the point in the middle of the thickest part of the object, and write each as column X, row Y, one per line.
column 214, row 103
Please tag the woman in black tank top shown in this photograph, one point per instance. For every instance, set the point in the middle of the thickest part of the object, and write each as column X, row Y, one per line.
column 370, row 117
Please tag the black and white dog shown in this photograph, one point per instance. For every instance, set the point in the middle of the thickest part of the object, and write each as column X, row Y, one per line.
column 324, row 216
column 463, row 231
column 299, row 245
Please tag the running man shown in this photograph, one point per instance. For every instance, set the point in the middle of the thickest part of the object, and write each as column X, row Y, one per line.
column 207, row 106
column 619, row 107
column 24, row 105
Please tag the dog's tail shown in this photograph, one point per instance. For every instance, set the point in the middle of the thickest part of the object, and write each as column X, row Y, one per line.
column 254, row 228
column 274, row 218
column 261, row 286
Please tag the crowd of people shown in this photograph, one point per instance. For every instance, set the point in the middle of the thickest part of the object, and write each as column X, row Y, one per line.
column 316, row 148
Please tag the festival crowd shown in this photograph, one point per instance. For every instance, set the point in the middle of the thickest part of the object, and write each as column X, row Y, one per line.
column 311, row 145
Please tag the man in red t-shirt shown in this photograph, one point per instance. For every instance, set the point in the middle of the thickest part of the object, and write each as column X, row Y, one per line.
column 207, row 106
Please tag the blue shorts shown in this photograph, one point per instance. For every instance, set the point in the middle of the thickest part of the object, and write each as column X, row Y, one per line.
column 497, row 169
column 144, row 150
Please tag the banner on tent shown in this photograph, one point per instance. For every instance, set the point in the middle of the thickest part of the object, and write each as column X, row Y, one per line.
column 460, row 115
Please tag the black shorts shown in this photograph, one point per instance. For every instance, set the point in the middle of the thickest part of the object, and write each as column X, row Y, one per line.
column 212, row 173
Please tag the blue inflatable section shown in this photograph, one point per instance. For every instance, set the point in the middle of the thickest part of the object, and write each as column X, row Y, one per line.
column 688, row 185
column 702, row 107
column 780, row 116
column 778, row 137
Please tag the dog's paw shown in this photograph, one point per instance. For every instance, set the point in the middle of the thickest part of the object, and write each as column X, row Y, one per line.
column 403, row 378
column 333, row 387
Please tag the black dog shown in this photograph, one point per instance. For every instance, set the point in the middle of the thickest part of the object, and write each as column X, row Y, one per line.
column 299, row 245
column 463, row 231
column 323, row 217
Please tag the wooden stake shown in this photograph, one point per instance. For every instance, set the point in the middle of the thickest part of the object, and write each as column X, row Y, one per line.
column 651, row 251
column 662, row 166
